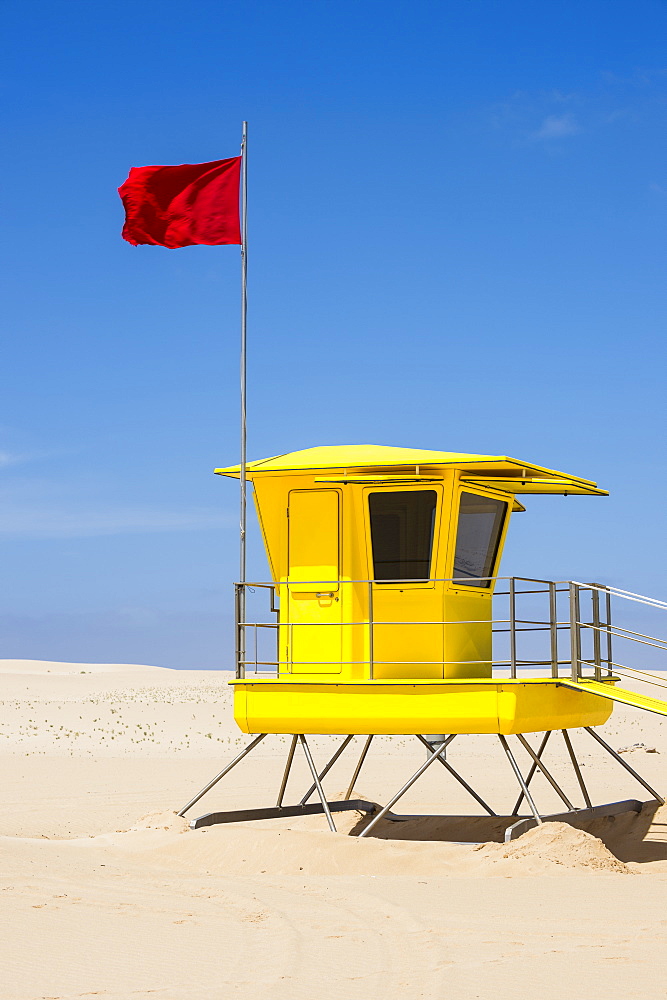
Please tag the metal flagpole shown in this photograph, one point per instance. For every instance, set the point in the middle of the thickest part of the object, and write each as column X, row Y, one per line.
column 243, row 373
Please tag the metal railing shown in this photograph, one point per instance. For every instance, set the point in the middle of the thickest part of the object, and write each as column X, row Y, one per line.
column 600, row 631
column 554, row 628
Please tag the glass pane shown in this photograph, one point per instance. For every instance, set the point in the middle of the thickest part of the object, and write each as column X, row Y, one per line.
column 477, row 538
column 402, row 534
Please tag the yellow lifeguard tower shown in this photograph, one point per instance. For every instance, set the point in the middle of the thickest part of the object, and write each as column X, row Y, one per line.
column 384, row 565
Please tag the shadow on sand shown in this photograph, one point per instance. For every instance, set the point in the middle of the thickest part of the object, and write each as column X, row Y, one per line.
column 630, row 836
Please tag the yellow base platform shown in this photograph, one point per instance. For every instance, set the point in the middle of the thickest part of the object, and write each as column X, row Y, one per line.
column 398, row 707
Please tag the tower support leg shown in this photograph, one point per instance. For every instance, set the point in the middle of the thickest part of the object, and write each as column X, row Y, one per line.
column 288, row 768
column 318, row 786
column 533, row 769
column 625, row 764
column 520, row 779
column 575, row 765
column 455, row 774
column 325, row 770
column 360, row 762
column 225, row 770
column 408, row 784
column 547, row 774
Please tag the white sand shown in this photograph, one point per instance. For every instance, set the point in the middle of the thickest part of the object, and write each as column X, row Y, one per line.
column 105, row 892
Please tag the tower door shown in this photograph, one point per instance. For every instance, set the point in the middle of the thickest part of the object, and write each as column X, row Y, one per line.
column 312, row 634
column 407, row 600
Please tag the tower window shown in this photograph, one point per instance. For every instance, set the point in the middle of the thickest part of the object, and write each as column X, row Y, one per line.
column 480, row 527
column 402, row 526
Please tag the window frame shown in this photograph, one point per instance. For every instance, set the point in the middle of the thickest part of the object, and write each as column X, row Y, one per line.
column 433, row 487
column 454, row 525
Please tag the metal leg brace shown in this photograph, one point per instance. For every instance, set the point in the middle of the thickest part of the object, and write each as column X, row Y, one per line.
column 455, row 774
column 303, row 808
column 625, row 764
column 318, row 786
column 520, row 779
column 427, row 763
column 225, row 770
column 547, row 774
column 533, row 769
column 327, row 768
column 577, row 770
column 288, row 768
column 279, row 810
column 357, row 769
column 576, row 817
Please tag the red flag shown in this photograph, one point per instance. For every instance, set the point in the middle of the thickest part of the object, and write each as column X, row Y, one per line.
column 184, row 205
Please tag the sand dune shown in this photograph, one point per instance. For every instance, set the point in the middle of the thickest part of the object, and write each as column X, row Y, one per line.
column 106, row 892
column 71, row 669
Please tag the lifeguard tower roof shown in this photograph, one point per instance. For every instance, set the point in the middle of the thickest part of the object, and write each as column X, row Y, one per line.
column 371, row 462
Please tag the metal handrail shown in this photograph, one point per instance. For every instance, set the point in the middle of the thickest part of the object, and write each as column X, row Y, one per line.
column 650, row 678
column 627, row 634
column 628, row 595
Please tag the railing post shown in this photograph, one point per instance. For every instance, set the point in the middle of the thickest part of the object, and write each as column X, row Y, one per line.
column 608, row 627
column 512, row 627
column 256, row 632
column 276, row 612
column 371, row 645
column 289, row 650
column 575, row 634
column 240, row 633
column 597, row 645
column 553, row 628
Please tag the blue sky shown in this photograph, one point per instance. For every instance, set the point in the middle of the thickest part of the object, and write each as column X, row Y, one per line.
column 457, row 216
